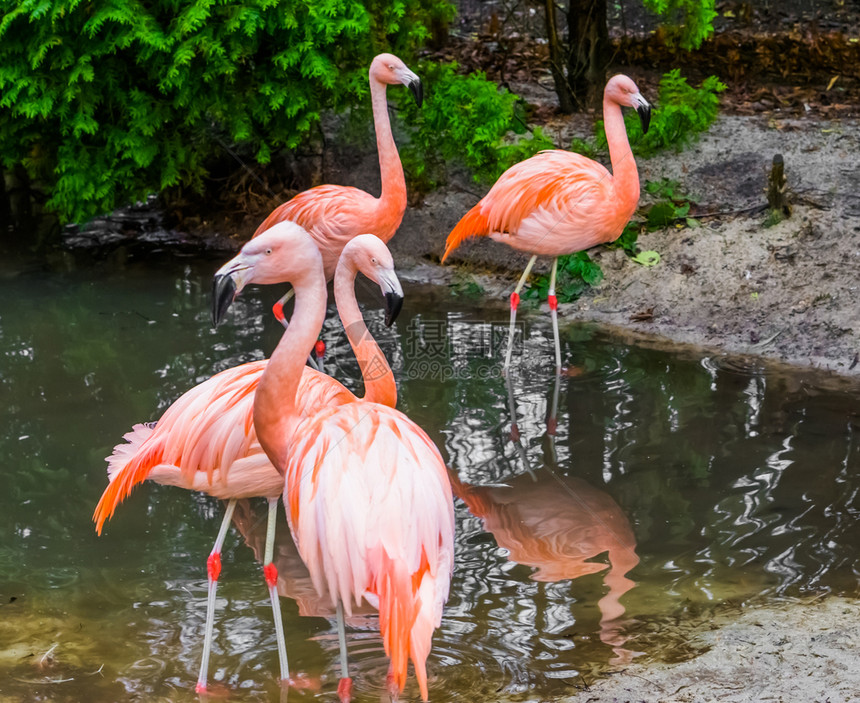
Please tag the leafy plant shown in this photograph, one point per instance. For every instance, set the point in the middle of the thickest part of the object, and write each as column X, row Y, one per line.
column 681, row 114
column 689, row 23
column 466, row 119
column 105, row 102
column 576, row 272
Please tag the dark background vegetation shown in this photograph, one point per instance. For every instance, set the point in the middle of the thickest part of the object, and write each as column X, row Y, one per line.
column 222, row 111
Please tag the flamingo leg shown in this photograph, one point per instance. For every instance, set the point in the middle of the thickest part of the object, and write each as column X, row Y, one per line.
column 213, row 566
column 344, row 686
column 515, row 301
column 552, row 420
column 278, row 312
column 553, row 311
column 271, row 573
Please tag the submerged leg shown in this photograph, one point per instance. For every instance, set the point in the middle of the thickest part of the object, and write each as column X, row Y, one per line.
column 553, row 311
column 552, row 420
column 344, row 686
column 271, row 573
column 515, row 301
column 213, row 566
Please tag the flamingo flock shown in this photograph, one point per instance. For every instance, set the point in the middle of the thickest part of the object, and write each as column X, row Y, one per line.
column 367, row 494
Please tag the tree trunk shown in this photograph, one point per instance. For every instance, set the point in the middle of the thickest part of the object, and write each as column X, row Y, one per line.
column 589, row 51
column 556, row 60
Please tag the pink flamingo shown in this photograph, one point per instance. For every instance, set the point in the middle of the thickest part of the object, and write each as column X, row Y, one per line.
column 206, row 441
column 559, row 203
column 335, row 214
column 366, row 491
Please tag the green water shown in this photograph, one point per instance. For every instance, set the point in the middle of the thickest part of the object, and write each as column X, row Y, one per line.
column 710, row 483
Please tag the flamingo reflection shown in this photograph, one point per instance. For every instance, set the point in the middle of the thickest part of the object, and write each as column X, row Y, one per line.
column 557, row 524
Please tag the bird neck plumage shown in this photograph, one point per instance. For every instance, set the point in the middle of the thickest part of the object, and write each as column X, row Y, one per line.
column 624, row 172
column 275, row 414
column 393, row 197
column 379, row 385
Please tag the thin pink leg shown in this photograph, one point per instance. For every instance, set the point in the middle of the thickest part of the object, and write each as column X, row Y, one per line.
column 344, row 686
column 213, row 567
column 270, row 571
column 515, row 301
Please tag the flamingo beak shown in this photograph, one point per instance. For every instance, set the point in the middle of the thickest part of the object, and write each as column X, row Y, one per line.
column 393, row 292
column 644, row 109
column 417, row 89
column 228, row 282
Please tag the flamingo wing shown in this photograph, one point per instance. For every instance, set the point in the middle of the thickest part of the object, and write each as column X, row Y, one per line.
column 552, row 203
column 206, row 440
column 370, row 505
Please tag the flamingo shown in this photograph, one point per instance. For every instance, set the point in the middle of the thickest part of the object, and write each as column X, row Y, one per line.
column 205, row 441
column 557, row 203
column 334, row 214
column 366, row 491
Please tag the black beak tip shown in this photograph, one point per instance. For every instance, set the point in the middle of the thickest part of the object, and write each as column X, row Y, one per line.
column 417, row 91
column 393, row 304
column 223, row 292
column 644, row 117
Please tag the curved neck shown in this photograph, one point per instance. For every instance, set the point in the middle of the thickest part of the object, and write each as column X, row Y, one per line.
column 379, row 385
column 393, row 195
column 624, row 172
column 275, row 414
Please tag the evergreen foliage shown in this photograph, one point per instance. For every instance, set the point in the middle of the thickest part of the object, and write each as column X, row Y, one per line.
column 106, row 101
column 690, row 22
column 468, row 120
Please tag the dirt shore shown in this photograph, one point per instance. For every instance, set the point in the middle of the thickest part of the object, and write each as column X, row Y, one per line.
column 787, row 292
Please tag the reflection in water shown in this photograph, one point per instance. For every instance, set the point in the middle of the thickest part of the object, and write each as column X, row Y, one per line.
column 556, row 524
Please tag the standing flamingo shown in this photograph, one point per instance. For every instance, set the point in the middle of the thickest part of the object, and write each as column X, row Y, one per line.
column 205, row 440
column 558, row 203
column 335, row 214
column 366, row 492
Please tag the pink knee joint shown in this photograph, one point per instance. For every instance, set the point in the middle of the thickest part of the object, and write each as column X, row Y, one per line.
column 319, row 349
column 515, row 300
column 553, row 301
column 270, row 571
column 278, row 311
column 213, row 566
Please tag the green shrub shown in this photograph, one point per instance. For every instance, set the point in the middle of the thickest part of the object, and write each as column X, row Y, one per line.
column 681, row 113
column 466, row 119
column 689, row 22
column 576, row 272
column 107, row 101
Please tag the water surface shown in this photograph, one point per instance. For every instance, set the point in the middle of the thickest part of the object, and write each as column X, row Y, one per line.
column 669, row 485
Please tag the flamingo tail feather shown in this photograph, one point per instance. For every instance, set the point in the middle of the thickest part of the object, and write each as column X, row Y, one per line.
column 472, row 224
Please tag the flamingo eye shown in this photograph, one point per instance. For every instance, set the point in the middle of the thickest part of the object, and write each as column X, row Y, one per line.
column 373, row 260
column 268, row 251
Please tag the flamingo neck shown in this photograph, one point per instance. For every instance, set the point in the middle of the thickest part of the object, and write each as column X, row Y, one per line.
column 624, row 172
column 392, row 201
column 379, row 385
column 275, row 414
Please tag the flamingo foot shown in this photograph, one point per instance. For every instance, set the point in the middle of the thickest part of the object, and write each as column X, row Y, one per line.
column 393, row 688
column 344, row 690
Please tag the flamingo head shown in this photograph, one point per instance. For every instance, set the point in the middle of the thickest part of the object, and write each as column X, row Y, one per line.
column 388, row 69
column 623, row 91
column 368, row 254
column 284, row 253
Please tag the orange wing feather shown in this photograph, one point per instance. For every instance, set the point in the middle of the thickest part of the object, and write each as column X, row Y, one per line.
column 209, row 428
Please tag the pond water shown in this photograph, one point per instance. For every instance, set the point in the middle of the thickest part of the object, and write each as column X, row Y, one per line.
column 669, row 486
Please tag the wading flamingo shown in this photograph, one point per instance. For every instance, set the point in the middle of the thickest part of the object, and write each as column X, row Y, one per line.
column 205, row 441
column 366, row 492
column 557, row 203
